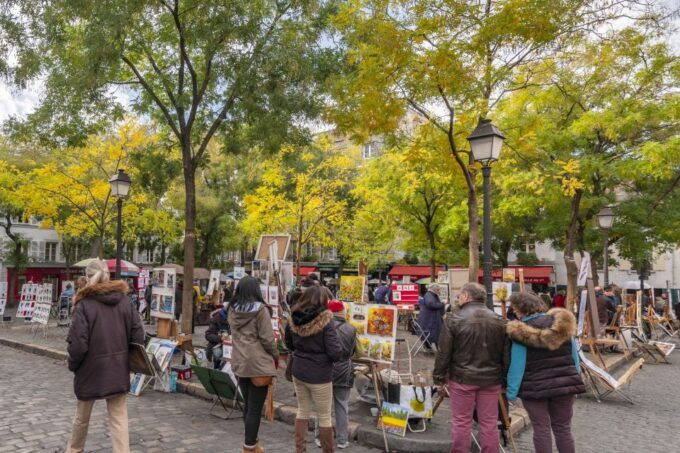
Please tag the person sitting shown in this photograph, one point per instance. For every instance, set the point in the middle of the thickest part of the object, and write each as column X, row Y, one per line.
column 217, row 330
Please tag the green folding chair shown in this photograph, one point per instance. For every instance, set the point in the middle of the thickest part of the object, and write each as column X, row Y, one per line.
column 220, row 384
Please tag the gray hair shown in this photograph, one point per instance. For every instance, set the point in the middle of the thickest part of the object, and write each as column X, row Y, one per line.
column 476, row 291
column 97, row 271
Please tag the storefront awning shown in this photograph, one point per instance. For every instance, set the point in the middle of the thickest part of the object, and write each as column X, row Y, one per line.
column 398, row 271
column 304, row 270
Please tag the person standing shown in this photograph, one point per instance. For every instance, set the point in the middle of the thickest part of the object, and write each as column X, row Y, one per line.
column 545, row 370
column 343, row 374
column 103, row 326
column 559, row 300
column 315, row 344
column 179, row 296
column 430, row 317
column 254, row 355
column 382, row 294
column 473, row 358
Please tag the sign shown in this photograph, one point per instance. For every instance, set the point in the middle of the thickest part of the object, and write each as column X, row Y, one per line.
column 443, row 281
column 457, row 278
column 509, row 274
column 239, row 273
column 584, row 271
column 376, row 326
column 163, row 293
column 27, row 300
column 214, row 282
column 43, row 304
column 263, row 248
column 405, row 296
column 353, row 288
column 3, row 297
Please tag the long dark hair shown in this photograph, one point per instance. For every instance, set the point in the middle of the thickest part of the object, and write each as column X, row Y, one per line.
column 247, row 291
column 314, row 299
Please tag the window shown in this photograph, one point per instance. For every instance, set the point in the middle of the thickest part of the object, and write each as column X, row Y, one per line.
column 368, row 151
column 51, row 252
column 149, row 256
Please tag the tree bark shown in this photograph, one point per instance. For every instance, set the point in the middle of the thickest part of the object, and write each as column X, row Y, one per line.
column 433, row 259
column 189, row 241
column 593, row 268
column 570, row 263
column 473, row 236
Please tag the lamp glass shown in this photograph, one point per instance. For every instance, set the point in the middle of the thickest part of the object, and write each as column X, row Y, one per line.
column 120, row 185
column 605, row 218
column 486, row 142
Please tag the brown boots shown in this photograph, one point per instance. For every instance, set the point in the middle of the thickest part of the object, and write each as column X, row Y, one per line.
column 257, row 448
column 301, row 428
column 326, row 438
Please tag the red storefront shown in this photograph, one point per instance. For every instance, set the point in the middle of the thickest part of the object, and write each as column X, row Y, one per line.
column 537, row 275
column 44, row 273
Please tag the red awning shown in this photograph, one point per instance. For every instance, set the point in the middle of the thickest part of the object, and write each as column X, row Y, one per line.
column 539, row 275
column 417, row 271
column 304, row 270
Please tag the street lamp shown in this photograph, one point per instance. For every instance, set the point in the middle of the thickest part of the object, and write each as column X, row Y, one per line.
column 120, row 187
column 605, row 219
column 486, row 142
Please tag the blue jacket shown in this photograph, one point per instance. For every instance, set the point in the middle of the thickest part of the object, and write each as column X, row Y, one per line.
column 518, row 358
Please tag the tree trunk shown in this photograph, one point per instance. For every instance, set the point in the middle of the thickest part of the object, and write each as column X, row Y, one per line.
column 163, row 254
column 433, row 259
column 189, row 242
column 473, row 237
column 570, row 263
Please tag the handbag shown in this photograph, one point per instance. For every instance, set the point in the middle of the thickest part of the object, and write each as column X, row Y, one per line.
column 261, row 381
column 418, row 400
column 289, row 368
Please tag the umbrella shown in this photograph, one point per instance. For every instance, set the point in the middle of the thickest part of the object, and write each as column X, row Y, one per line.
column 126, row 267
column 375, row 281
column 179, row 270
column 634, row 284
column 424, row 281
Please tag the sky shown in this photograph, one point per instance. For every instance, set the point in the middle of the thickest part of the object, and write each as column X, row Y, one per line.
column 15, row 102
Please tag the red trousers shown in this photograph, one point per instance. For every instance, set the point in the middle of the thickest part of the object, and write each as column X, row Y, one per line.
column 464, row 400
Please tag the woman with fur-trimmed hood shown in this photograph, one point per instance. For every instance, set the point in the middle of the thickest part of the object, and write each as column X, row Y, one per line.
column 544, row 369
column 105, row 322
column 315, row 344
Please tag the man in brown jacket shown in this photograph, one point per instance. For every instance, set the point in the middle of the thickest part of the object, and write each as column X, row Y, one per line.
column 104, row 324
column 473, row 359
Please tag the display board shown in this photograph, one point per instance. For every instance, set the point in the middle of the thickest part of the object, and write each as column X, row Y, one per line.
column 162, row 350
column 270, row 294
column 443, row 281
column 214, row 283
column 163, row 293
column 239, row 273
column 27, row 300
column 3, row 297
column 405, row 296
column 353, row 288
column 376, row 326
column 43, row 304
column 457, row 278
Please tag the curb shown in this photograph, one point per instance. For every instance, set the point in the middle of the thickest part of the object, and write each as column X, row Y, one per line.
column 363, row 434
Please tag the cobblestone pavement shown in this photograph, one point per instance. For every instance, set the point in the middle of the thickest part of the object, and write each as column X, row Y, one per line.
column 613, row 426
column 37, row 407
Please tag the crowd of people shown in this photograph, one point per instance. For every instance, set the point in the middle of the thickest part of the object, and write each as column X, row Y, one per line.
column 479, row 357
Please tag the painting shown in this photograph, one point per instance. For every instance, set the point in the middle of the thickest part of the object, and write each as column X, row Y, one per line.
column 352, row 289
column 381, row 321
column 393, row 418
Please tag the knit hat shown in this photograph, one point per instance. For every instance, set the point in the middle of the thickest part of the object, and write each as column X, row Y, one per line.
column 336, row 306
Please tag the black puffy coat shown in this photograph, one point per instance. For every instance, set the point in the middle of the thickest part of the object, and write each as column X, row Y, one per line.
column 315, row 345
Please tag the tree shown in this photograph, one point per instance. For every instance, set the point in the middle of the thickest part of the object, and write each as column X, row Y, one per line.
column 451, row 61
column 246, row 70
column 417, row 183
column 13, row 199
column 73, row 184
column 589, row 131
column 303, row 193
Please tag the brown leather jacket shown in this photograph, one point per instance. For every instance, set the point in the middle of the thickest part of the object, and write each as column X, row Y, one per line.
column 473, row 347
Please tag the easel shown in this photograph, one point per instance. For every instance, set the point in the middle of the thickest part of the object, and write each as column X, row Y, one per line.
column 610, row 387
column 591, row 328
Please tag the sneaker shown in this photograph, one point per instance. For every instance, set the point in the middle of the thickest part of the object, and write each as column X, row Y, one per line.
column 343, row 445
column 317, row 441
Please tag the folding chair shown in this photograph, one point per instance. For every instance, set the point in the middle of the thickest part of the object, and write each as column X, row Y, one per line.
column 422, row 338
column 219, row 384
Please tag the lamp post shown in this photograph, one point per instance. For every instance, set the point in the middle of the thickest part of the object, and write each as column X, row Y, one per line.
column 605, row 219
column 486, row 142
column 120, row 187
